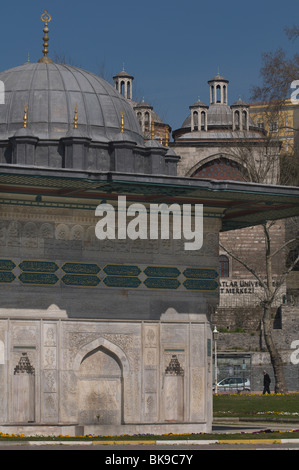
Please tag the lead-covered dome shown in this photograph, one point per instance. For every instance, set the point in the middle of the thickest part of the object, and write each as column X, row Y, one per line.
column 52, row 91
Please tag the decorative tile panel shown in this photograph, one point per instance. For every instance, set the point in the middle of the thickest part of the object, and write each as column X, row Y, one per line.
column 80, row 280
column 7, row 277
column 6, row 265
column 121, row 270
column 200, row 273
column 161, row 271
column 81, row 268
column 38, row 266
column 38, row 278
column 122, row 281
column 200, row 284
column 161, row 283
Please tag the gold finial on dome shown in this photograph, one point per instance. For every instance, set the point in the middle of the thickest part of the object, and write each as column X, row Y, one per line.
column 153, row 130
column 46, row 18
column 122, row 123
column 25, row 116
column 166, row 137
column 76, row 118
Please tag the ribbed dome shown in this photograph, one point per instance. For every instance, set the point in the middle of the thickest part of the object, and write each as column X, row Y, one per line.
column 220, row 115
column 52, row 91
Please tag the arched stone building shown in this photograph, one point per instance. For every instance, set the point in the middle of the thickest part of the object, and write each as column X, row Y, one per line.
column 152, row 126
column 112, row 335
column 222, row 142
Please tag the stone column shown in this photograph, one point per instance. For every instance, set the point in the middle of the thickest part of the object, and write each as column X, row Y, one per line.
column 24, row 391
column 174, row 391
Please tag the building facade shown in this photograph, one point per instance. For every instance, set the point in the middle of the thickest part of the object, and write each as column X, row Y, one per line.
column 106, row 335
column 245, row 142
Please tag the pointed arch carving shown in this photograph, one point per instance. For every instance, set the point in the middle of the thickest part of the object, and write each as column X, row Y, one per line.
column 104, row 344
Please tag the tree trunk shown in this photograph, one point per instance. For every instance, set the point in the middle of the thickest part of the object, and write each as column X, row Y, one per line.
column 276, row 361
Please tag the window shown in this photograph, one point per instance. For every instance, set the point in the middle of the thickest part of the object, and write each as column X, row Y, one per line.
column 218, row 94
column 203, row 120
column 225, row 94
column 224, row 266
column 273, row 126
column 244, row 118
column 195, row 121
column 292, row 256
column 237, row 120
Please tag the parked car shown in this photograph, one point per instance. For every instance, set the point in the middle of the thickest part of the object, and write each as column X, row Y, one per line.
column 233, row 383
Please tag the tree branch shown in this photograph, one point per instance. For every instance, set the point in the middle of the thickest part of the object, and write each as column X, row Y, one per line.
column 284, row 246
column 251, row 270
column 284, row 276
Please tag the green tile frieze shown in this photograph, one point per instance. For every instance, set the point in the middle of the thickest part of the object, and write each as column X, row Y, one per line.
column 77, row 274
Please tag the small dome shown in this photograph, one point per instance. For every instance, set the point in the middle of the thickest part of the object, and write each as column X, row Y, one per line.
column 240, row 102
column 52, row 91
column 142, row 104
column 198, row 103
column 218, row 78
column 123, row 74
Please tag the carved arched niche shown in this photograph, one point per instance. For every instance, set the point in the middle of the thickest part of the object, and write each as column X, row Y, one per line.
column 100, row 368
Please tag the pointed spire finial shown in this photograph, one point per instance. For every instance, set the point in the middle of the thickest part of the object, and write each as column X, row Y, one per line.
column 76, row 118
column 153, row 130
column 166, row 137
column 25, row 116
column 122, row 123
column 46, row 18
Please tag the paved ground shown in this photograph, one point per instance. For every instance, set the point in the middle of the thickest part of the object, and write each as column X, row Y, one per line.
column 234, row 425
column 174, row 453
column 151, row 454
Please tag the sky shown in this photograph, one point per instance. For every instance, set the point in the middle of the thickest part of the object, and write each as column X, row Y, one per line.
column 171, row 47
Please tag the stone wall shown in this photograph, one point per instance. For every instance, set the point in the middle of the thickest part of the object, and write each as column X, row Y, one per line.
column 101, row 322
column 244, row 338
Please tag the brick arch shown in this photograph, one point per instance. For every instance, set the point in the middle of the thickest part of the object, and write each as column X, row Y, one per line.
column 219, row 167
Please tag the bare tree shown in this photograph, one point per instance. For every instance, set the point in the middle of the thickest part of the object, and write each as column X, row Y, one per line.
column 261, row 160
column 271, row 292
column 60, row 58
column 277, row 73
column 258, row 159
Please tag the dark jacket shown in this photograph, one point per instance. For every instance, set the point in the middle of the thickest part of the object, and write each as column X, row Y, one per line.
column 267, row 380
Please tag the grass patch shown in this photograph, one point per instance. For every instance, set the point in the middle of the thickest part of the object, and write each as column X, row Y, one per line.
column 275, row 406
column 284, row 406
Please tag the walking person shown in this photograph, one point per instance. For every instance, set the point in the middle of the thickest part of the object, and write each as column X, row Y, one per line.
column 267, row 382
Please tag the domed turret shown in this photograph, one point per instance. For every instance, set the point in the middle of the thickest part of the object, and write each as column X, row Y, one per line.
column 74, row 120
column 52, row 91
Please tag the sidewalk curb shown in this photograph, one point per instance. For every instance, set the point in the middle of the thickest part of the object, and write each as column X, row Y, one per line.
column 156, row 442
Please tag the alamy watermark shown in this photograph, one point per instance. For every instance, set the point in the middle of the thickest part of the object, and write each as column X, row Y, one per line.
column 295, row 93
column 2, row 92
column 295, row 354
column 138, row 222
